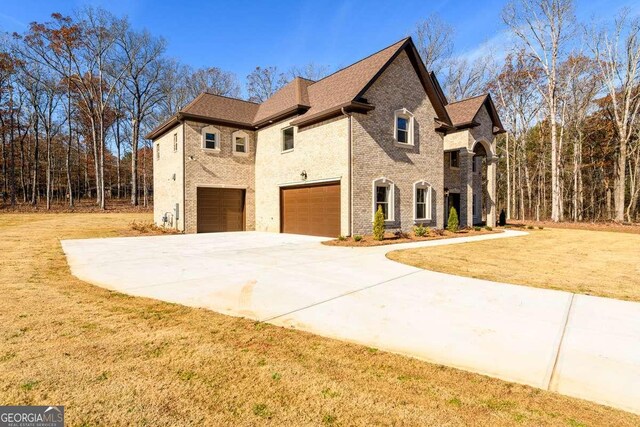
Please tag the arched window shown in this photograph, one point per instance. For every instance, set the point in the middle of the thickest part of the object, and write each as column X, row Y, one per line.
column 211, row 138
column 240, row 141
column 403, row 127
column 422, row 201
column 383, row 197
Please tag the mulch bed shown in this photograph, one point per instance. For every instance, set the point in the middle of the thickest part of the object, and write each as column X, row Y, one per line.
column 392, row 239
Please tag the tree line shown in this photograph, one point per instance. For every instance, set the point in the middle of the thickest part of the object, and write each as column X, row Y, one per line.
column 78, row 93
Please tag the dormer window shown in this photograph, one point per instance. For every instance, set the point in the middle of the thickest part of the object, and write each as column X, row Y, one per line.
column 210, row 138
column 403, row 127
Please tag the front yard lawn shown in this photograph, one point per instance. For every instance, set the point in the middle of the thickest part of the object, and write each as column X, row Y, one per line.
column 117, row 360
column 587, row 262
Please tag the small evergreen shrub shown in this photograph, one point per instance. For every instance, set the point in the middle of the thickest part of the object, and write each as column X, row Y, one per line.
column 420, row 230
column 341, row 238
column 541, row 228
column 529, row 227
column 357, row 238
column 378, row 225
column 453, row 223
column 477, row 228
column 488, row 228
column 502, row 221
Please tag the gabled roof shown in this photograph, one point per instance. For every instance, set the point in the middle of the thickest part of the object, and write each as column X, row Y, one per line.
column 463, row 113
column 342, row 91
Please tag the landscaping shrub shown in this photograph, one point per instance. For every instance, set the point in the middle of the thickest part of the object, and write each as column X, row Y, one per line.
column 453, row 223
column 488, row 228
column 342, row 238
column 540, row 228
column 477, row 228
column 378, row 225
column 502, row 221
column 420, row 230
column 357, row 238
column 529, row 227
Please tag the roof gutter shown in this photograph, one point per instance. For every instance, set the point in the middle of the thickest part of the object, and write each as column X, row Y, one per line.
column 352, row 106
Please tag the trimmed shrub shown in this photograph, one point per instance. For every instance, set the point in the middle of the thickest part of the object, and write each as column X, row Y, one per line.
column 477, row 228
column 541, row 228
column 488, row 228
column 357, row 238
column 378, row 225
column 529, row 227
column 502, row 221
column 420, row 230
column 341, row 238
column 453, row 223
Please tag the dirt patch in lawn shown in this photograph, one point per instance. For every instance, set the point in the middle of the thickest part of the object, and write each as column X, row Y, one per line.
column 116, row 360
column 585, row 262
column 391, row 238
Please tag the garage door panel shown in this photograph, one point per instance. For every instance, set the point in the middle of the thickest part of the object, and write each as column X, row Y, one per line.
column 312, row 210
column 220, row 209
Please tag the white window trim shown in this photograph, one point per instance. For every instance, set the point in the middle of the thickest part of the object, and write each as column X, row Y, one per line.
column 450, row 163
column 428, row 206
column 175, row 142
column 282, row 150
column 243, row 134
column 406, row 114
column 214, row 130
column 384, row 182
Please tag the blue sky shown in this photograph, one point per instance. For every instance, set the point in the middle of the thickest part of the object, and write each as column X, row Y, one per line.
column 238, row 35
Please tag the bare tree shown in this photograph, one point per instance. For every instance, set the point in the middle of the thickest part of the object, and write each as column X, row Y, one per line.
column 618, row 59
column 212, row 80
column 262, row 83
column 310, row 71
column 141, row 54
column 544, row 27
column 466, row 78
column 434, row 41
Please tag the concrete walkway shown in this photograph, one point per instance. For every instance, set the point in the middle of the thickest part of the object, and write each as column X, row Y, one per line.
column 578, row 345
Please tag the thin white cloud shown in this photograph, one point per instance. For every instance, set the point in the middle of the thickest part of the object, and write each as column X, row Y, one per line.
column 497, row 47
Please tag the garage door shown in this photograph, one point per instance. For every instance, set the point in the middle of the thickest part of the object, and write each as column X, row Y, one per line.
column 220, row 209
column 312, row 210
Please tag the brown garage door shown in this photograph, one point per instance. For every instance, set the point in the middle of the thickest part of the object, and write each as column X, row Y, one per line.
column 312, row 210
column 220, row 209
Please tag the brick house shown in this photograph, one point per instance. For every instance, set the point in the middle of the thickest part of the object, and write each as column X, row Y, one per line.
column 319, row 157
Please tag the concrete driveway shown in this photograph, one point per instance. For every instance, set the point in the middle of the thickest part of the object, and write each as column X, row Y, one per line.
column 577, row 345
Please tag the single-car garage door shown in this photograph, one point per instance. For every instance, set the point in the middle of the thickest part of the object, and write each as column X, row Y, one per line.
column 312, row 210
column 220, row 209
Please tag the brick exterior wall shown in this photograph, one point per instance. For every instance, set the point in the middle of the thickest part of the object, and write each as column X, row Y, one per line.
column 224, row 168
column 321, row 150
column 168, row 184
column 376, row 154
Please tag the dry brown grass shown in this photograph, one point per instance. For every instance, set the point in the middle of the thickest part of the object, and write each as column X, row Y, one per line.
column 117, row 360
column 587, row 262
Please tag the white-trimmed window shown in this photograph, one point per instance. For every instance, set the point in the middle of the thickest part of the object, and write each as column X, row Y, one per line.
column 422, row 201
column 175, row 142
column 240, row 142
column 454, row 159
column 211, row 138
column 403, row 127
column 383, row 197
column 287, row 139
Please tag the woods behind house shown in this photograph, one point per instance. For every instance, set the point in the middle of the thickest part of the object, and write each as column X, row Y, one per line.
column 78, row 93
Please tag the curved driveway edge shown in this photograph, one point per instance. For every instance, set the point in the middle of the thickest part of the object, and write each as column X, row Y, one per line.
column 578, row 345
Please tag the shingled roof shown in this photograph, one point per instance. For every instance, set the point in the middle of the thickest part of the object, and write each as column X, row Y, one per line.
column 463, row 113
column 331, row 96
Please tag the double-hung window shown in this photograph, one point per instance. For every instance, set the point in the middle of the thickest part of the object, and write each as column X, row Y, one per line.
column 210, row 138
column 287, row 139
column 422, row 199
column 403, row 127
column 383, row 198
column 240, row 142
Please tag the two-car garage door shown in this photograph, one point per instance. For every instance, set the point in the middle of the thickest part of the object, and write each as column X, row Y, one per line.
column 312, row 210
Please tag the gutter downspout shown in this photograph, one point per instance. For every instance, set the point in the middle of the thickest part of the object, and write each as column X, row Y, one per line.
column 350, row 174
